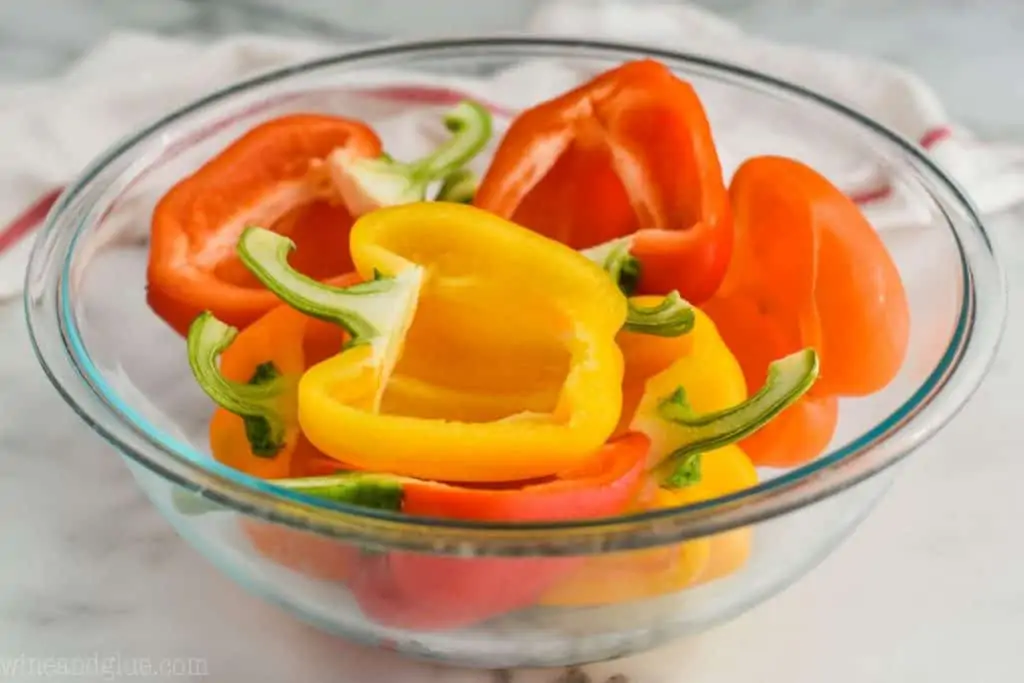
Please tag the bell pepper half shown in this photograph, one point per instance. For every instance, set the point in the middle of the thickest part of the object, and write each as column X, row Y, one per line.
column 464, row 379
column 305, row 176
column 641, row 574
column 274, row 351
column 255, row 427
column 473, row 285
column 269, row 175
column 808, row 271
column 628, row 154
column 694, row 411
column 432, row 592
column 411, row 590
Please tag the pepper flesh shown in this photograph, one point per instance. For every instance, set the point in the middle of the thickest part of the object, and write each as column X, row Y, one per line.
column 288, row 341
column 267, row 176
column 723, row 472
column 692, row 458
column 700, row 359
column 475, row 264
column 809, row 271
column 431, row 394
column 430, row 592
column 628, row 153
column 642, row 574
column 427, row 592
column 714, row 381
column 660, row 326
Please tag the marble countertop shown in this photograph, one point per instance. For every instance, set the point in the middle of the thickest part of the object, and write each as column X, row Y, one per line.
column 927, row 589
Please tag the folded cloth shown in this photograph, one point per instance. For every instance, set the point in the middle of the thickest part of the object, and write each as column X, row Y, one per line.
column 53, row 129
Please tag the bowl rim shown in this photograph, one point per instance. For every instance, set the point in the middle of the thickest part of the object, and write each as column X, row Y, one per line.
column 963, row 364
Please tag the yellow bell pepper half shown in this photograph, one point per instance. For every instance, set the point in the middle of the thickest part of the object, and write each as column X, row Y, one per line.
column 449, row 371
column 723, row 471
column 498, row 303
column 694, row 411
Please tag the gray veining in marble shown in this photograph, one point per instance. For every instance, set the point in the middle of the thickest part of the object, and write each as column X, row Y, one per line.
column 928, row 589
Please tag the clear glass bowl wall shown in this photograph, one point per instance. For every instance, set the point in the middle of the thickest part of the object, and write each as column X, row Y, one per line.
column 127, row 375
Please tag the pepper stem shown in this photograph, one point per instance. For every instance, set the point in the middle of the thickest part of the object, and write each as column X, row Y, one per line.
column 458, row 186
column 621, row 266
column 687, row 432
column 369, row 184
column 380, row 492
column 672, row 317
column 369, row 311
column 255, row 402
column 375, row 491
column 684, row 472
column 470, row 126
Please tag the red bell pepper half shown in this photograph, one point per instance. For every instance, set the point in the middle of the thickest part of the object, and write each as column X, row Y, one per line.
column 274, row 176
column 628, row 154
column 433, row 592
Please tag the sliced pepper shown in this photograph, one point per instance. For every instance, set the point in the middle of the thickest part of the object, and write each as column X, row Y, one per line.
column 278, row 347
column 264, row 177
column 809, row 271
column 700, row 357
column 376, row 314
column 694, row 411
column 723, row 471
column 702, row 363
column 475, row 264
column 423, row 385
column 258, row 430
column 804, row 430
column 255, row 427
column 629, row 153
column 418, row 591
column 429, row 592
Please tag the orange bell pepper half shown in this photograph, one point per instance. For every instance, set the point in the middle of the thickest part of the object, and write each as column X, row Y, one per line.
column 277, row 348
column 280, row 345
column 627, row 155
column 808, row 270
column 273, row 175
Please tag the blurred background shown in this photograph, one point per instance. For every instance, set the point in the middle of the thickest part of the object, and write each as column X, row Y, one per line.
column 960, row 47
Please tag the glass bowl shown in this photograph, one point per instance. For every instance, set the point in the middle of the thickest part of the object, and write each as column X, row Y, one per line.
column 481, row 594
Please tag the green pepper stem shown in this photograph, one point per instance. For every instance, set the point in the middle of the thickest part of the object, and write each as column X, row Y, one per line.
column 683, row 472
column 671, row 317
column 380, row 492
column 470, row 126
column 367, row 311
column 788, row 379
column 458, row 186
column 623, row 268
column 207, row 339
column 377, row 491
column 368, row 184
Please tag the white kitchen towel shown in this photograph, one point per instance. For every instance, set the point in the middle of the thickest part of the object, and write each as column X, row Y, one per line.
column 53, row 129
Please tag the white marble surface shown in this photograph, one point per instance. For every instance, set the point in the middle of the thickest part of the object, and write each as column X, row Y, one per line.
column 928, row 589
